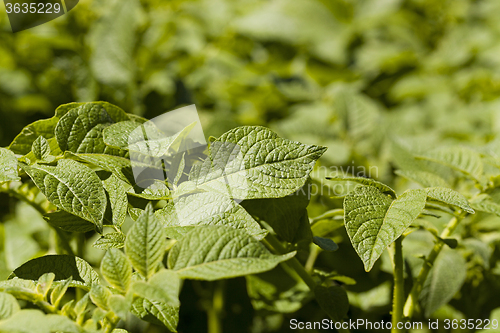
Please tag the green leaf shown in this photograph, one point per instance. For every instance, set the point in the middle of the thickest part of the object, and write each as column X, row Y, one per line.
column 100, row 296
column 23, row 141
column 252, row 162
column 211, row 253
column 206, row 209
column 333, row 300
column 40, row 148
column 450, row 197
column 146, row 242
column 118, row 166
column 373, row 220
column 110, row 240
column 63, row 266
column 462, row 159
column 326, row 244
column 8, row 305
column 119, row 305
column 156, row 191
column 8, row 166
column 68, row 222
column 424, row 178
column 117, row 189
column 485, row 203
column 162, row 287
column 21, row 289
column 368, row 182
column 80, row 130
column 156, row 312
column 116, row 269
column 38, row 323
column 60, row 289
column 444, row 280
column 72, row 187
column 45, row 283
column 282, row 214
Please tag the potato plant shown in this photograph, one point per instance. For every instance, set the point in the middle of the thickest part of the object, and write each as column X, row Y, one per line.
column 75, row 169
column 239, row 211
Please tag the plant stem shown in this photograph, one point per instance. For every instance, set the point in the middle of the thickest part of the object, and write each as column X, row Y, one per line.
column 293, row 263
column 399, row 292
column 313, row 255
column 215, row 311
column 412, row 299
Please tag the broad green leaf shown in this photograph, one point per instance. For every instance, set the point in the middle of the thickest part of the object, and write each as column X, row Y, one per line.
column 110, row 240
column 8, row 305
column 146, row 242
column 207, row 208
column 72, row 187
column 116, row 269
column 450, row 197
column 125, row 133
column 424, row 178
column 284, row 215
column 23, row 142
column 100, row 295
column 444, row 280
column 52, row 147
column 80, row 130
column 211, row 253
column 68, row 222
column 368, row 182
column 63, row 266
column 21, row 289
column 116, row 113
column 333, row 300
column 373, row 220
column 459, row 158
column 484, row 203
column 118, row 166
column 116, row 189
column 156, row 312
column 8, row 166
column 162, row 287
column 38, row 322
column 252, row 162
column 41, row 148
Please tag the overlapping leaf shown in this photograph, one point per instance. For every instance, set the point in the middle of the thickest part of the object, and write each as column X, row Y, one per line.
column 211, row 253
column 373, row 220
column 252, row 162
column 206, row 208
column 72, row 187
column 145, row 243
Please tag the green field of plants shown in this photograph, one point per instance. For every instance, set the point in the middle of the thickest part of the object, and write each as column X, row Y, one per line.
column 351, row 181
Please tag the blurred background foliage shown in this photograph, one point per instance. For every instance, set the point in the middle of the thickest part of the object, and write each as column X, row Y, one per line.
column 353, row 75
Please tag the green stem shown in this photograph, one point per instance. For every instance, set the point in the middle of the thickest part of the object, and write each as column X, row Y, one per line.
column 293, row 263
column 412, row 299
column 399, row 292
column 215, row 311
column 313, row 255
